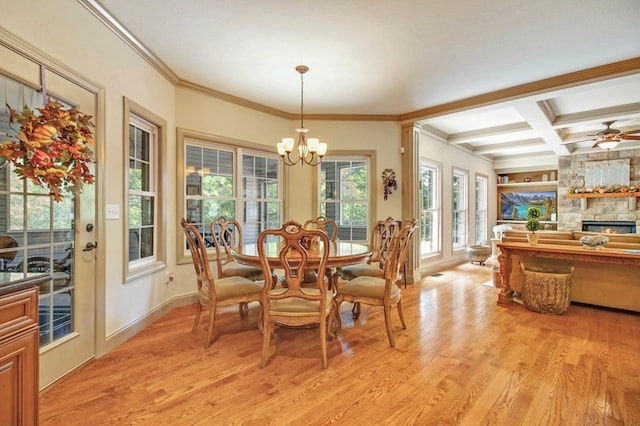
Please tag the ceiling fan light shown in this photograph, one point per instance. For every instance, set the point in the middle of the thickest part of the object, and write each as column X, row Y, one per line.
column 608, row 144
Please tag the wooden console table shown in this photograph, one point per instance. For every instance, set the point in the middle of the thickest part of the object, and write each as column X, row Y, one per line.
column 556, row 252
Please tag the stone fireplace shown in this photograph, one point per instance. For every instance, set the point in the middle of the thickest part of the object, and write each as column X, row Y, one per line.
column 573, row 212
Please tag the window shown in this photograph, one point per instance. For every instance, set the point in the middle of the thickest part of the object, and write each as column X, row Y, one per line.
column 260, row 195
column 344, row 195
column 234, row 182
column 459, row 209
column 481, row 209
column 429, row 209
column 143, row 196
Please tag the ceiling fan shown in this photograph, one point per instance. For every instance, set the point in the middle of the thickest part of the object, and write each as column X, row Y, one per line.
column 609, row 138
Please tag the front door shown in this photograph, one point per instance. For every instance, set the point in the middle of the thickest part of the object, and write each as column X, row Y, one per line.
column 38, row 234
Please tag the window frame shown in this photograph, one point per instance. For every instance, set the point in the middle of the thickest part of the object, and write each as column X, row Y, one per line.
column 137, row 114
column 239, row 149
column 481, row 210
column 369, row 157
column 462, row 211
column 436, row 210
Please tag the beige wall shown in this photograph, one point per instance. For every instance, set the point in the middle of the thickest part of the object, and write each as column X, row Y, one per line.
column 450, row 157
column 70, row 35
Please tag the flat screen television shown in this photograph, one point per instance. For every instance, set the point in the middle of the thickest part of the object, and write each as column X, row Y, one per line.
column 514, row 205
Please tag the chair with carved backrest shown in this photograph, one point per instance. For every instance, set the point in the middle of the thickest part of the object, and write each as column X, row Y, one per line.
column 329, row 226
column 293, row 304
column 227, row 239
column 380, row 241
column 384, row 291
column 216, row 292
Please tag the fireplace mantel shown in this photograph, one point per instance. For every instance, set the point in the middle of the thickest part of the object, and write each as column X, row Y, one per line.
column 632, row 196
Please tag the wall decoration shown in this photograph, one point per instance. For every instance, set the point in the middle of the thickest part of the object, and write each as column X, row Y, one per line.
column 601, row 174
column 389, row 182
column 53, row 147
column 514, row 205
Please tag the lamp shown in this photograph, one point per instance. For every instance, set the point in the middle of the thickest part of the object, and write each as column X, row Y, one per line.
column 305, row 151
column 606, row 143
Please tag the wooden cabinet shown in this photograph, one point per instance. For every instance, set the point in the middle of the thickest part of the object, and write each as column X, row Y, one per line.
column 19, row 348
column 519, row 186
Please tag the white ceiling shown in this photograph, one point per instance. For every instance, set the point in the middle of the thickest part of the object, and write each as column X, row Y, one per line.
column 405, row 58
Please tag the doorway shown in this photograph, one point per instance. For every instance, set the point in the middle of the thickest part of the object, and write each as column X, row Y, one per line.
column 38, row 234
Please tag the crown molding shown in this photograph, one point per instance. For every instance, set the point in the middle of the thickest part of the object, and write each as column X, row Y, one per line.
column 111, row 23
column 589, row 75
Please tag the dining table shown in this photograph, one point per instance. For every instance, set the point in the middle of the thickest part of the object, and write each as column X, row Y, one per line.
column 340, row 254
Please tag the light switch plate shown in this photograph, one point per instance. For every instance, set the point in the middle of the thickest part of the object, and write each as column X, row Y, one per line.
column 113, row 211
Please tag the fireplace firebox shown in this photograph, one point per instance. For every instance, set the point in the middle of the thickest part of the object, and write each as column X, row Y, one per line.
column 611, row 227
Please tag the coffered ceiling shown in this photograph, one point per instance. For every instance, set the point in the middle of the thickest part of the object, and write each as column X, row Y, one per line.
column 502, row 79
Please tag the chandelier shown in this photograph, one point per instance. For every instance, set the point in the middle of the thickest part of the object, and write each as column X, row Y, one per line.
column 304, row 151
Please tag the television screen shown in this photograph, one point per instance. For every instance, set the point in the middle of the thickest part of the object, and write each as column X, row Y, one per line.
column 514, row 205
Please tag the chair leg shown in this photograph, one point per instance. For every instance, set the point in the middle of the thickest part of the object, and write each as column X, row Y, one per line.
column 197, row 320
column 212, row 323
column 266, row 337
column 334, row 317
column 387, row 321
column 355, row 311
column 404, row 324
column 323, row 342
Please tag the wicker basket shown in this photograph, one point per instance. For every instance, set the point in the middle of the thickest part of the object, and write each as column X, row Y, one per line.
column 546, row 292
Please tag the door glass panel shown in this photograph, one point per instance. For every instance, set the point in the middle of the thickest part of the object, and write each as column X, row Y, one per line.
column 36, row 233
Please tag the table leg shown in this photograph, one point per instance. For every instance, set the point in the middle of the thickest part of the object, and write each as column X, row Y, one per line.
column 505, row 296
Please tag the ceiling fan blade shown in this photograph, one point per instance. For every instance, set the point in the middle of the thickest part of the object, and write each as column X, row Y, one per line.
column 630, row 138
column 577, row 141
column 630, row 132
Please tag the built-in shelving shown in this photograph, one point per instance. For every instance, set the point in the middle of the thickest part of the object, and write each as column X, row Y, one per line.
column 527, row 181
column 551, row 183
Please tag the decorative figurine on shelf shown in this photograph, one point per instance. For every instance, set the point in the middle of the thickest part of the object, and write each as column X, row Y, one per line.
column 389, row 181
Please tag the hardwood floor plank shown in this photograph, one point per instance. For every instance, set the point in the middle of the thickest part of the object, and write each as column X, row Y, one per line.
column 462, row 360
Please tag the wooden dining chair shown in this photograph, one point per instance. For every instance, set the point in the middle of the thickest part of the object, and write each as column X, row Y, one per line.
column 217, row 292
column 380, row 242
column 329, row 226
column 294, row 305
column 227, row 239
column 384, row 291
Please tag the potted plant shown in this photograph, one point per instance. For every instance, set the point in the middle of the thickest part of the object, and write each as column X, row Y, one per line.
column 533, row 224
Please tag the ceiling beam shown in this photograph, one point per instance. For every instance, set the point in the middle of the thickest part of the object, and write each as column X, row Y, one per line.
column 474, row 135
column 538, row 115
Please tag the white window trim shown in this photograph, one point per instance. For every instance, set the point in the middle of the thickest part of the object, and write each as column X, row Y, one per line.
column 483, row 210
column 137, row 115
column 465, row 200
column 438, row 206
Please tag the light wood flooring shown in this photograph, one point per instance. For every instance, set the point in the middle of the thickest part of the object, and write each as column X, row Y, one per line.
column 463, row 360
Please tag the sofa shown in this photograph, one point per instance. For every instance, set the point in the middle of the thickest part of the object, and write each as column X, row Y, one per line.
column 612, row 284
